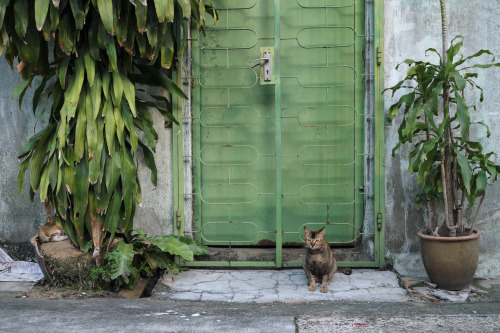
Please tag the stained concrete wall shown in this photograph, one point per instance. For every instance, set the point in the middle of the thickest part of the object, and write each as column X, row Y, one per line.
column 20, row 219
column 411, row 27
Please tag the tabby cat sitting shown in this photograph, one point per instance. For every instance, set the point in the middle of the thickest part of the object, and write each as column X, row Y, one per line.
column 319, row 263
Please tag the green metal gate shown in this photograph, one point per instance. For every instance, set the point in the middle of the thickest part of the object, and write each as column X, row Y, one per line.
column 279, row 134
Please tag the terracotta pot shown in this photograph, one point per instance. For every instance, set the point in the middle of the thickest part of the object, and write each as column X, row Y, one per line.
column 450, row 262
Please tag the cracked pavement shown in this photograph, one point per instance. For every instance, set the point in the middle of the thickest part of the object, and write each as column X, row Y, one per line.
column 288, row 286
column 258, row 301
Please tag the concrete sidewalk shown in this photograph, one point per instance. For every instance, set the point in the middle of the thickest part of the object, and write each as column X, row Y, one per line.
column 257, row 301
column 289, row 286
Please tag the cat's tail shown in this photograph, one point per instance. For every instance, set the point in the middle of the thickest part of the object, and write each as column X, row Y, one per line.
column 345, row 270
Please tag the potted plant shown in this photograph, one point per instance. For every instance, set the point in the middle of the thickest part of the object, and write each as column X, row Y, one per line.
column 86, row 57
column 452, row 168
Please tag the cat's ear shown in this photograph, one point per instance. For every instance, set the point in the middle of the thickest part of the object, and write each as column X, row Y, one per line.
column 307, row 232
column 322, row 232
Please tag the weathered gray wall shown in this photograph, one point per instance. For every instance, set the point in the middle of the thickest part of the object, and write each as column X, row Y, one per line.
column 19, row 218
column 155, row 215
column 411, row 27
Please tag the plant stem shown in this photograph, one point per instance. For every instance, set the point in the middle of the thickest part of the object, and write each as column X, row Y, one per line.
column 446, row 174
column 477, row 215
column 451, row 228
column 429, row 219
column 444, row 29
column 460, row 221
column 429, row 208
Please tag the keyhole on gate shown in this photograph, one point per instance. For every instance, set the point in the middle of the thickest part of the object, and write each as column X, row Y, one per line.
column 265, row 62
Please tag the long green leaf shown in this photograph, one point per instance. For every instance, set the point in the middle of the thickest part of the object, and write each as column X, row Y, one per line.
column 80, row 133
column 463, row 116
column 152, row 29
column 459, row 80
column 149, row 134
column 38, row 158
column 112, row 56
column 149, row 160
column 453, row 50
column 41, row 10
column 129, row 90
column 198, row 249
column 113, row 213
column 153, row 76
column 44, row 183
column 129, row 123
column 66, row 33
column 96, row 95
column 3, row 10
column 105, row 8
column 61, row 128
column 117, row 88
column 22, row 173
column 89, row 67
column 38, row 93
column 141, row 14
column 78, row 13
column 91, row 128
column 96, row 167
column 112, row 171
column 465, row 170
column 123, row 264
column 20, row 90
column 54, row 17
column 481, row 183
column 161, row 9
column 173, row 246
column 167, row 48
column 120, row 126
column 63, row 69
column 127, row 172
column 186, row 7
column 488, row 132
column 21, row 17
column 80, row 192
column 109, row 125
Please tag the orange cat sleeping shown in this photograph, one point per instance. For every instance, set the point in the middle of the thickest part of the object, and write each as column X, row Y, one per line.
column 50, row 232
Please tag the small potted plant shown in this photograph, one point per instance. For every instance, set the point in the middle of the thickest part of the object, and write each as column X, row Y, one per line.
column 452, row 168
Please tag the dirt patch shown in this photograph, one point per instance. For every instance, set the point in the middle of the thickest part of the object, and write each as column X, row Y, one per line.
column 44, row 291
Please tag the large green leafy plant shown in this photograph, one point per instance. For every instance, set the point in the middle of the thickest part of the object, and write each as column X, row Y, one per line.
column 140, row 255
column 87, row 56
column 452, row 167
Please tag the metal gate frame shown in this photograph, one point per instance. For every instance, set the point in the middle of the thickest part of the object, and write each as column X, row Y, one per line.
column 374, row 149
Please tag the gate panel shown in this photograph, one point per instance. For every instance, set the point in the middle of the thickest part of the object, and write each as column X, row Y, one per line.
column 315, row 125
column 234, row 117
column 322, row 125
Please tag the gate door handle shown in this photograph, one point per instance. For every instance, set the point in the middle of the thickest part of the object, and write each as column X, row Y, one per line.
column 267, row 64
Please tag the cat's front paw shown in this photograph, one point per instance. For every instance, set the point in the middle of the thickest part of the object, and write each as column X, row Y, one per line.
column 312, row 287
column 324, row 289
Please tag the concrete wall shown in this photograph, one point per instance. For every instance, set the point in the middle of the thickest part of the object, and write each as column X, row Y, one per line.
column 411, row 27
column 20, row 219
column 156, row 215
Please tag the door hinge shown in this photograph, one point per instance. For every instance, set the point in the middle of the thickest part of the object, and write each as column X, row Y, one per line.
column 178, row 222
column 379, row 221
column 379, row 56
